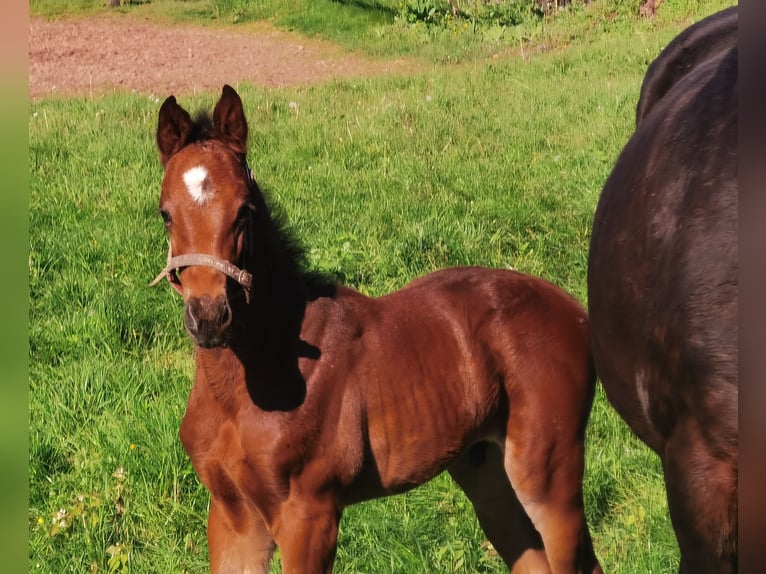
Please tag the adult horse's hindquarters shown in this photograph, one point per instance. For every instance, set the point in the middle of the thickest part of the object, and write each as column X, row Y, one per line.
column 708, row 38
column 309, row 396
column 662, row 287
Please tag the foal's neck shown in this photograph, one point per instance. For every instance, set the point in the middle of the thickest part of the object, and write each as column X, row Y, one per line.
column 265, row 345
column 282, row 287
column 260, row 364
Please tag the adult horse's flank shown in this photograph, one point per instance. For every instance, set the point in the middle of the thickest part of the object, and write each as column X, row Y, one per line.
column 662, row 282
column 310, row 396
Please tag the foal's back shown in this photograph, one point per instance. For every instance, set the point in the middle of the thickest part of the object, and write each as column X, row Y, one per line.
column 484, row 373
column 447, row 360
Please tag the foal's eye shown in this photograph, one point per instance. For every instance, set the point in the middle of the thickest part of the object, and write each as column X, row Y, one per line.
column 165, row 216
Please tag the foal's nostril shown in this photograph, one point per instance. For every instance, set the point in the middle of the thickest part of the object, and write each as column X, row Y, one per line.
column 225, row 312
column 190, row 317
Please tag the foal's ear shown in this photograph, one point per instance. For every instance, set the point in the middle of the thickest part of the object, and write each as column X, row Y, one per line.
column 229, row 120
column 173, row 128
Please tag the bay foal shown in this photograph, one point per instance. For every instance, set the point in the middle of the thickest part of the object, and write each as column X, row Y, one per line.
column 309, row 396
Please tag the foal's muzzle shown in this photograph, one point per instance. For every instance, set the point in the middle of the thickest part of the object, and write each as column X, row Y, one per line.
column 207, row 320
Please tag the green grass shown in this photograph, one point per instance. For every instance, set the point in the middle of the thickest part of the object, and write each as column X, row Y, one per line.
column 498, row 162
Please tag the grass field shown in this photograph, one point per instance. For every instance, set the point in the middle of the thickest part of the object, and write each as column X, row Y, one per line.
column 492, row 161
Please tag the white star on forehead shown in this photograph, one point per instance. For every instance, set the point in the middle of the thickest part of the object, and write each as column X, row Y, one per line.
column 198, row 184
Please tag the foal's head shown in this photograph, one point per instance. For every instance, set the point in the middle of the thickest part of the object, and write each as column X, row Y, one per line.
column 206, row 203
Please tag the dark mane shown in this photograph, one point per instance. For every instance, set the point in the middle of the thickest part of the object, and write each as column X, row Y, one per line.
column 290, row 252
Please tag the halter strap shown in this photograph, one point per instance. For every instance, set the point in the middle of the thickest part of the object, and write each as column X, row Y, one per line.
column 241, row 276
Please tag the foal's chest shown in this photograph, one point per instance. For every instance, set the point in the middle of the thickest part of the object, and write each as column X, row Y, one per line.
column 238, row 454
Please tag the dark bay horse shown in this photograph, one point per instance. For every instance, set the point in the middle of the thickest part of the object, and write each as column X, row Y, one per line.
column 309, row 396
column 662, row 292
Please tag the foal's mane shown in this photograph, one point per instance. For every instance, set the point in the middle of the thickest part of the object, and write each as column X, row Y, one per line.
column 289, row 250
column 202, row 127
column 288, row 253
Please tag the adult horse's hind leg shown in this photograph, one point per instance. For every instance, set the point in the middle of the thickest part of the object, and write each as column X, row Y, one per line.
column 481, row 474
column 701, row 481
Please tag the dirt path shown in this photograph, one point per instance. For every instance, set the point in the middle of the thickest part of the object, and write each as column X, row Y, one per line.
column 113, row 51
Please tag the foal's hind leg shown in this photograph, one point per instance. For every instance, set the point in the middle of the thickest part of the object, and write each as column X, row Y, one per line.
column 481, row 475
column 544, row 459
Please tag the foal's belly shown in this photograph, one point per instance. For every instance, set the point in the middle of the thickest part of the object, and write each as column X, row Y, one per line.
column 420, row 415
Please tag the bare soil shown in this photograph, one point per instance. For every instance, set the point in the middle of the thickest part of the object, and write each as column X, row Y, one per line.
column 95, row 55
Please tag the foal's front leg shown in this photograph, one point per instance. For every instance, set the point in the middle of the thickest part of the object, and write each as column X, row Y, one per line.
column 307, row 535
column 238, row 540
